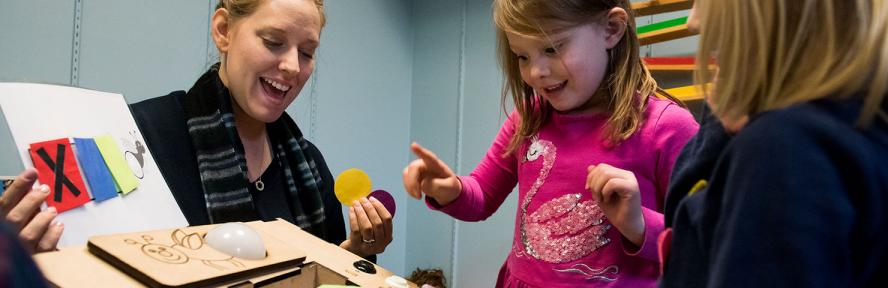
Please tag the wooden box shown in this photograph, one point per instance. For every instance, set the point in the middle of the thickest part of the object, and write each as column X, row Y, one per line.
column 180, row 258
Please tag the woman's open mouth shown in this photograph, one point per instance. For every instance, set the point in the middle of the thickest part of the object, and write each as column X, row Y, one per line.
column 276, row 90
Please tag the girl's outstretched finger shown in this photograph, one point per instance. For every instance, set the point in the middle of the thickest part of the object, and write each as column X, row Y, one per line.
column 432, row 163
column 412, row 174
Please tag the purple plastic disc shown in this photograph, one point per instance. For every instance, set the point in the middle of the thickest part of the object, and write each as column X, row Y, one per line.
column 386, row 199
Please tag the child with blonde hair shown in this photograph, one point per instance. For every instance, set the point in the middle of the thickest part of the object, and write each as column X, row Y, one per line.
column 796, row 195
column 589, row 145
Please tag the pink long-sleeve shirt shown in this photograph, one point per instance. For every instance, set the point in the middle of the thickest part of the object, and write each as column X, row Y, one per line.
column 562, row 238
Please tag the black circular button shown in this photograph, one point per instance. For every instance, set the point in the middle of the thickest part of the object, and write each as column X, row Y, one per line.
column 365, row 266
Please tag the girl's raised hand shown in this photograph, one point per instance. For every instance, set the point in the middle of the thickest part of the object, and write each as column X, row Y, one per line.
column 430, row 176
column 616, row 191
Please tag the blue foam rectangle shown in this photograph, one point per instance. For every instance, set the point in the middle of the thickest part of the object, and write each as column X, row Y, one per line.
column 98, row 176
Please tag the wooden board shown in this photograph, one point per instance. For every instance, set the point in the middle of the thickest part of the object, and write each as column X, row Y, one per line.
column 670, row 64
column 332, row 257
column 76, row 267
column 660, row 6
column 324, row 263
column 663, row 35
column 673, row 64
column 181, row 258
column 686, row 93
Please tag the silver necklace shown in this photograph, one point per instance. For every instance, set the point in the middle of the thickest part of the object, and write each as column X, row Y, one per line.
column 259, row 184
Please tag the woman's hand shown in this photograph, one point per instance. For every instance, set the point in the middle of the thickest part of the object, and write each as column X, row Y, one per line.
column 431, row 176
column 19, row 206
column 616, row 191
column 371, row 227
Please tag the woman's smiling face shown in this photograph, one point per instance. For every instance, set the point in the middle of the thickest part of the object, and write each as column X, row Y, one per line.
column 268, row 55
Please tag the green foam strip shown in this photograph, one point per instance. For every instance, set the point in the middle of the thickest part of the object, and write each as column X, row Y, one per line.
column 662, row 25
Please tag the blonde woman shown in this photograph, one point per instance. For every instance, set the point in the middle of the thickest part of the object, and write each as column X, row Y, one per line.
column 227, row 148
column 796, row 196
column 589, row 147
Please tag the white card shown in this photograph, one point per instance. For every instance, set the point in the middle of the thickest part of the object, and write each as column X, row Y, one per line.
column 40, row 112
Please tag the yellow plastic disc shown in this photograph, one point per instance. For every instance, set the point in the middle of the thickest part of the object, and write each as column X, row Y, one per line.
column 351, row 185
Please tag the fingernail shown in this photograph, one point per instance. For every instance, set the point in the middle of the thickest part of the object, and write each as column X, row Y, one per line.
column 30, row 176
column 52, row 210
column 373, row 198
column 355, row 203
column 44, row 189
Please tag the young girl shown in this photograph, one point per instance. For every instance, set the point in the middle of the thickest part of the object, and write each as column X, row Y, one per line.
column 589, row 146
column 797, row 195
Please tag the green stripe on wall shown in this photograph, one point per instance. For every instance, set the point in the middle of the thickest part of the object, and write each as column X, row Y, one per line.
column 662, row 25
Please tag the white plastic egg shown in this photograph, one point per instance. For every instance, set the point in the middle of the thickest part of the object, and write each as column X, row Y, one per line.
column 238, row 240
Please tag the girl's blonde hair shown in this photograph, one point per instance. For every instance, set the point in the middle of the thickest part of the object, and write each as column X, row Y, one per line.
column 776, row 53
column 628, row 81
column 242, row 8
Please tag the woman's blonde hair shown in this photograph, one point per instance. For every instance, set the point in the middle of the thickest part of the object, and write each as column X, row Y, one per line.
column 628, row 81
column 775, row 53
column 238, row 9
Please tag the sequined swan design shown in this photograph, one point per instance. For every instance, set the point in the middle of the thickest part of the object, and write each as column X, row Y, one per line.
column 563, row 229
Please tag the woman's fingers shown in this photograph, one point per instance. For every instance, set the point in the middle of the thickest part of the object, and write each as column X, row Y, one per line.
column 15, row 192
column 51, row 238
column 378, row 227
column 33, row 232
column 365, row 227
column 385, row 216
column 26, row 208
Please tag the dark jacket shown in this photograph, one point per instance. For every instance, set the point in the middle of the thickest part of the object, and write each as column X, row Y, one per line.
column 798, row 198
column 163, row 125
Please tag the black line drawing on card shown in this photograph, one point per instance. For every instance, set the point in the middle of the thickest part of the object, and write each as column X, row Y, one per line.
column 135, row 154
column 185, row 247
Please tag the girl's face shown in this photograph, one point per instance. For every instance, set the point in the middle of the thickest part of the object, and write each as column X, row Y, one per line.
column 566, row 68
column 267, row 56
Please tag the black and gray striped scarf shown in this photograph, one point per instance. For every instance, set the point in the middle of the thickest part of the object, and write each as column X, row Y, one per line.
column 223, row 167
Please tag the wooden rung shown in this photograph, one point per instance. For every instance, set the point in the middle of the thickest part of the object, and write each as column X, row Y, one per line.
column 662, row 25
column 686, row 93
column 671, row 68
column 664, row 35
column 669, row 60
column 660, row 6
column 672, row 64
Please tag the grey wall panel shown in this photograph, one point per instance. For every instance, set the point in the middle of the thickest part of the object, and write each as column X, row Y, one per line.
column 482, row 247
column 675, row 48
column 36, row 47
column 10, row 165
column 435, row 112
column 142, row 49
column 679, row 47
column 36, row 41
column 363, row 99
